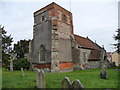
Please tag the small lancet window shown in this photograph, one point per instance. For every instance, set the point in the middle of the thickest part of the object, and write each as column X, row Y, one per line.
column 55, row 27
column 64, row 18
column 43, row 18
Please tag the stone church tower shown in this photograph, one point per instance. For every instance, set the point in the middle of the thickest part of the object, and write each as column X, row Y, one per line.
column 51, row 44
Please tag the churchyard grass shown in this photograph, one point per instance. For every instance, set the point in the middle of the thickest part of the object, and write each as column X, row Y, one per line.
column 0, row 77
column 89, row 78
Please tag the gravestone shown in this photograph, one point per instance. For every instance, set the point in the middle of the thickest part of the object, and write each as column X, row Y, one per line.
column 37, row 78
column 66, row 83
column 103, row 72
column 40, row 79
column 13, row 57
column 87, row 66
column 11, row 65
column 77, row 84
column 35, row 69
column 22, row 71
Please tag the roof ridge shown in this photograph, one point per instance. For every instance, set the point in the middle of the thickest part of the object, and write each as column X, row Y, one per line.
column 80, row 36
column 95, row 43
column 87, row 42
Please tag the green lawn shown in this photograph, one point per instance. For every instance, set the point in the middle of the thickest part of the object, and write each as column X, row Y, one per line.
column 0, row 77
column 89, row 78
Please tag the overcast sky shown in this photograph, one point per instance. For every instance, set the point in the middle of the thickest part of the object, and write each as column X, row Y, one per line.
column 97, row 19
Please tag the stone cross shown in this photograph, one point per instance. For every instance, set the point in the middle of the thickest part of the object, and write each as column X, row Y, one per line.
column 66, row 83
column 22, row 72
column 40, row 79
column 77, row 84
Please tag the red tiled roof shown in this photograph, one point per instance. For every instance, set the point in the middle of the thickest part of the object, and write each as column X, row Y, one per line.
column 95, row 54
column 87, row 43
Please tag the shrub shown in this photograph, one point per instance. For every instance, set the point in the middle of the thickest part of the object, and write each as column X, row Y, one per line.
column 21, row 63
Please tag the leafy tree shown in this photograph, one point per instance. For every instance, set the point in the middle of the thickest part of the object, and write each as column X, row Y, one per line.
column 117, row 38
column 21, row 63
column 21, row 48
column 6, row 47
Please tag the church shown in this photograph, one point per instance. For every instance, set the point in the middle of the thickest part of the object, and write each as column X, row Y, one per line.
column 56, row 48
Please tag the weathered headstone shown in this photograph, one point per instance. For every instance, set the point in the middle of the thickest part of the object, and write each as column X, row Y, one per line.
column 22, row 71
column 37, row 78
column 7, row 69
column 77, row 84
column 40, row 79
column 35, row 69
column 87, row 66
column 11, row 65
column 103, row 73
column 66, row 83
column 13, row 57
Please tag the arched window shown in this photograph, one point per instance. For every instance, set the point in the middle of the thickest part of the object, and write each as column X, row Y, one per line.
column 42, row 53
